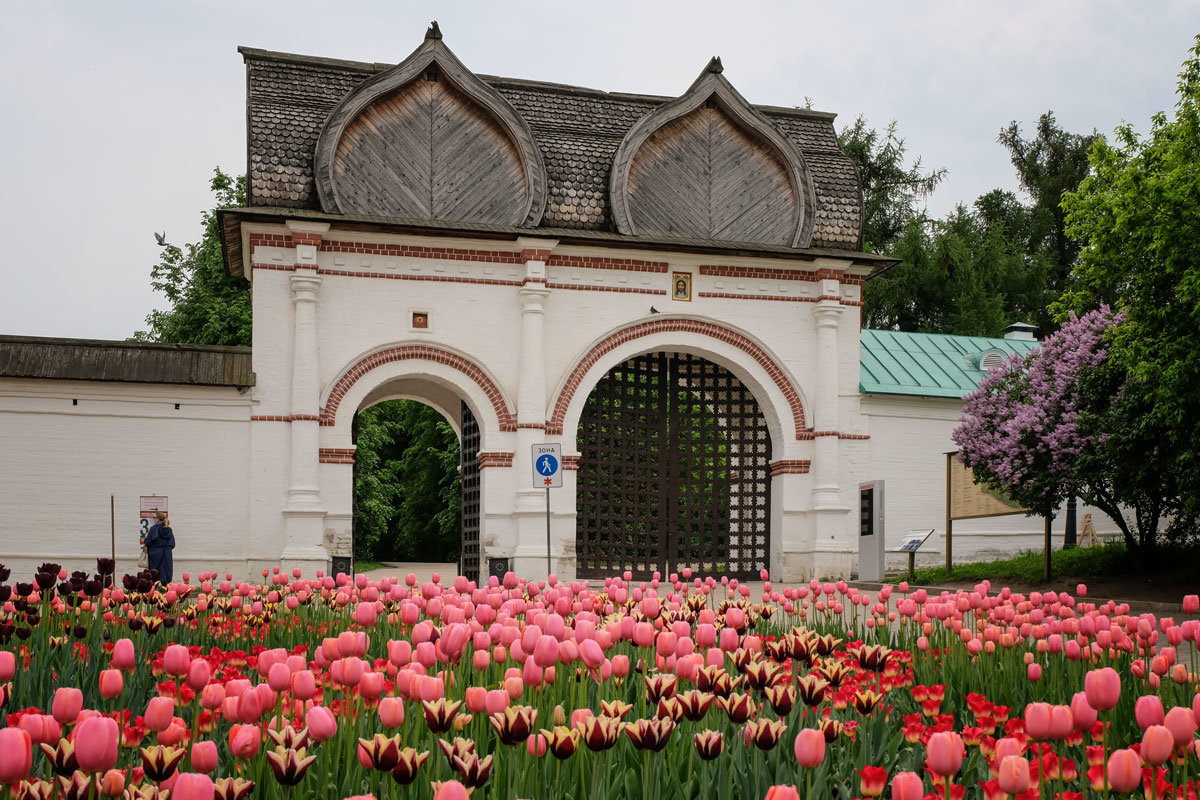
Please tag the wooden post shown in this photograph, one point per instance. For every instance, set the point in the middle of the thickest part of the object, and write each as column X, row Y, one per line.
column 949, row 522
column 1046, row 567
column 112, row 511
column 912, row 566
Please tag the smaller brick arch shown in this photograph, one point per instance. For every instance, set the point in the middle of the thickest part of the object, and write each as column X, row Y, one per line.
column 506, row 418
column 554, row 426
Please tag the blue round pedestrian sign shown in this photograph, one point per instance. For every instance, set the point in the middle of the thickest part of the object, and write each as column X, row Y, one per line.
column 547, row 465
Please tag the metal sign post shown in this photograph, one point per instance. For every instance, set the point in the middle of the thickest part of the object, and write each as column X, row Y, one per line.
column 547, row 472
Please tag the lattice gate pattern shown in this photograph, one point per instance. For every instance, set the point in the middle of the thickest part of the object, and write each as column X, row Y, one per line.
column 469, row 482
column 674, row 472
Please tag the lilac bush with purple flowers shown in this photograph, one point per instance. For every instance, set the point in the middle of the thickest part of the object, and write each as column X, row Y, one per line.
column 1027, row 427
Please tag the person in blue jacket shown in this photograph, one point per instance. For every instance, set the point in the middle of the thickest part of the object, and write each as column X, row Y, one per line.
column 160, row 541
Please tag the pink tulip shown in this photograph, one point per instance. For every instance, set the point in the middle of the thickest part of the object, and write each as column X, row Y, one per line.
column 1062, row 722
column 303, row 684
column 1148, row 710
column 782, row 792
column 176, row 660
column 96, row 741
column 16, row 755
column 8, row 666
column 1083, row 715
column 193, row 786
column 1124, row 770
column 1013, row 775
column 67, row 704
column 810, row 747
column 212, row 696
column 124, row 657
column 1037, row 720
column 199, row 674
column 391, row 712
column 244, row 741
column 945, row 753
column 204, row 756
column 112, row 683
column 112, row 784
column 321, row 723
column 159, row 713
column 451, row 790
column 1103, row 688
column 1034, row 672
column 1191, row 603
column 1181, row 724
column 1157, row 745
column 907, row 786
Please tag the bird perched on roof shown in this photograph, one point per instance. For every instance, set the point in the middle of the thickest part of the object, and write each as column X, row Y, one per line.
column 161, row 238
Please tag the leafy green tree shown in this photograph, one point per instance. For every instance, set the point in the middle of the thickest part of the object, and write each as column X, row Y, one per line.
column 1052, row 162
column 207, row 304
column 1138, row 217
column 893, row 190
column 407, row 502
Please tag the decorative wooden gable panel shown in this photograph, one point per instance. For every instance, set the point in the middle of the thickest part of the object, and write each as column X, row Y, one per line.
column 704, row 177
column 708, row 166
column 429, row 140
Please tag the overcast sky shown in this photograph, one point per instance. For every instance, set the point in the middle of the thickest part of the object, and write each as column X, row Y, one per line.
column 116, row 113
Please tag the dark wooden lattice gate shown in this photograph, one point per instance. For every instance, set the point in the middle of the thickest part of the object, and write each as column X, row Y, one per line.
column 469, row 481
column 673, row 473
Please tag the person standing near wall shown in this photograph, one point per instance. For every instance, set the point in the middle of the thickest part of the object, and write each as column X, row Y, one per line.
column 160, row 541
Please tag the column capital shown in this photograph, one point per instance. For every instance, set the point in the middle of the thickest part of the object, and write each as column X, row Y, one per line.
column 826, row 313
column 304, row 286
column 533, row 249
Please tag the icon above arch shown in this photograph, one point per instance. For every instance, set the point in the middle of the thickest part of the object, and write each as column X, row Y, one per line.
column 428, row 140
column 709, row 166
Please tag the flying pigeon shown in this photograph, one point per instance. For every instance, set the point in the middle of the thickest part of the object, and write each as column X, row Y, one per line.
column 161, row 238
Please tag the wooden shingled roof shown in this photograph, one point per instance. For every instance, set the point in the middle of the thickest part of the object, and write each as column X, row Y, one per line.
column 129, row 362
column 577, row 131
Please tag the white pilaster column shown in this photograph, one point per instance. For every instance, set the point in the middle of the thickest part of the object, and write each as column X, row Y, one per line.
column 304, row 489
column 304, row 514
column 826, row 315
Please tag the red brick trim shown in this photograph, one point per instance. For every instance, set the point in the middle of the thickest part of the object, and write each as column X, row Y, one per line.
column 811, row 434
column 759, row 273
column 541, row 426
column 345, row 273
column 336, row 455
column 831, row 274
column 734, row 296
column 534, row 254
column 507, row 419
column 790, row 467
column 275, row 267
column 570, row 462
column 306, row 237
column 858, row 437
column 270, row 240
column 415, row 251
column 270, row 418
column 594, row 262
column 306, row 418
column 554, row 426
column 534, row 280
column 494, row 459
column 593, row 288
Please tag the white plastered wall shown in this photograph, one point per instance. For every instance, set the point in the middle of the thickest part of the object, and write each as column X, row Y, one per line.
column 67, row 446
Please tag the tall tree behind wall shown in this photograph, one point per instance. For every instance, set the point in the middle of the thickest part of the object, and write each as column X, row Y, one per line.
column 407, row 478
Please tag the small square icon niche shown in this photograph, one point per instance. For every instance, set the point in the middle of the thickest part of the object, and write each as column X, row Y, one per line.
column 681, row 286
column 420, row 319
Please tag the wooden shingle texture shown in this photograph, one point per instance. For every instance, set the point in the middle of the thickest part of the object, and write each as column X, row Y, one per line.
column 577, row 130
column 127, row 362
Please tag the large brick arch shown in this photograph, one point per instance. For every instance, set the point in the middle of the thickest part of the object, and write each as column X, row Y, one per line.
column 505, row 416
column 554, row 426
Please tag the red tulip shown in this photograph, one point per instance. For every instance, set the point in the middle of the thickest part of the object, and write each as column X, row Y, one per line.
column 1103, row 688
column 204, row 756
column 1014, row 777
column 16, row 755
column 193, row 786
column 945, row 752
column 96, row 743
column 1124, row 770
column 112, row 683
column 907, row 786
column 872, row 781
column 67, row 704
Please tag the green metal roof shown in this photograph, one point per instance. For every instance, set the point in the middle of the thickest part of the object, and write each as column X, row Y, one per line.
column 926, row 364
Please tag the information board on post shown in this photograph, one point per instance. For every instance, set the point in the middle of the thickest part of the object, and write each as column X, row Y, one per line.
column 547, row 466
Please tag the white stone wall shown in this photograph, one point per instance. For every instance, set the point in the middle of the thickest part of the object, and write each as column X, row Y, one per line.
column 909, row 439
column 68, row 445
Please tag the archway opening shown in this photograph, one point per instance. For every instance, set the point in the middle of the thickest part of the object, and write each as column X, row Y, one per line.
column 674, row 472
column 408, row 484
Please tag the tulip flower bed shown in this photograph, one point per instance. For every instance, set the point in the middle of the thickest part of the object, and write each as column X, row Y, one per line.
column 330, row 688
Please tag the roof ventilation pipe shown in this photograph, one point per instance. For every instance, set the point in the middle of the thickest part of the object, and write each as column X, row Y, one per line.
column 1021, row 330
